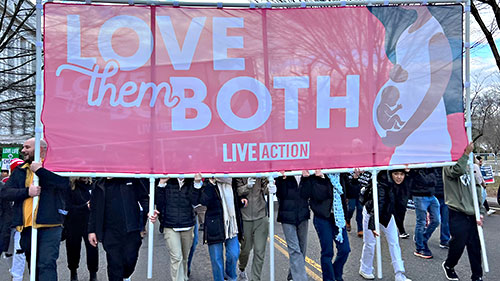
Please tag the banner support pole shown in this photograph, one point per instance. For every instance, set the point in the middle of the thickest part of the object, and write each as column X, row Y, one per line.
column 151, row 226
column 468, row 125
column 377, row 223
column 271, row 231
column 38, row 131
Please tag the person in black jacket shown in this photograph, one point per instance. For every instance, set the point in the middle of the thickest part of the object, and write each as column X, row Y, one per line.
column 223, row 225
column 76, row 228
column 327, row 202
column 293, row 214
column 5, row 222
column 388, row 184
column 175, row 199
column 51, row 210
column 115, row 220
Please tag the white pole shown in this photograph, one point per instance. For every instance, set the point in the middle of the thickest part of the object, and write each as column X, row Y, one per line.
column 151, row 226
column 38, row 130
column 257, row 175
column 377, row 223
column 271, row 231
column 468, row 125
column 269, row 4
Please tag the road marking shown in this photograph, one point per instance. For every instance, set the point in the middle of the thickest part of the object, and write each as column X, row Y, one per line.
column 308, row 271
column 308, row 260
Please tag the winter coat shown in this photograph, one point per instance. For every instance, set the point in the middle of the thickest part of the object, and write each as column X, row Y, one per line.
column 133, row 192
column 214, row 216
column 293, row 209
column 257, row 205
column 423, row 182
column 176, row 203
column 387, row 199
column 5, row 221
column 319, row 192
column 52, row 203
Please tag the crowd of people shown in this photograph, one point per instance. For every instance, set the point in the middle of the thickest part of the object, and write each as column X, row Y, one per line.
column 233, row 216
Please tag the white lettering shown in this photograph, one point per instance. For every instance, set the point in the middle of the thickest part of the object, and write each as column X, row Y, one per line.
column 222, row 42
column 203, row 116
column 325, row 102
column 224, row 103
column 143, row 53
column 291, row 86
column 74, row 48
column 181, row 58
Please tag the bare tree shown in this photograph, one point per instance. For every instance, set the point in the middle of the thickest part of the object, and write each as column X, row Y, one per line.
column 478, row 9
column 17, row 67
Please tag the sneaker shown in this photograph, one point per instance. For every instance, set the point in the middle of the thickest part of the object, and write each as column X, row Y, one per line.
column 444, row 245
column 242, row 276
column 366, row 275
column 449, row 272
column 423, row 254
column 478, row 279
column 404, row 235
column 401, row 277
column 490, row 212
column 348, row 227
column 360, row 234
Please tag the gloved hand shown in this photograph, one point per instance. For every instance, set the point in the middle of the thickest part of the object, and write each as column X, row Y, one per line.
column 251, row 182
column 272, row 188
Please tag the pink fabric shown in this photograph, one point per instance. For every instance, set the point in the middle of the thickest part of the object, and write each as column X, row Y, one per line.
column 126, row 134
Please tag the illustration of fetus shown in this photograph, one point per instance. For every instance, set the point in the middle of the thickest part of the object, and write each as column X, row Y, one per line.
column 386, row 110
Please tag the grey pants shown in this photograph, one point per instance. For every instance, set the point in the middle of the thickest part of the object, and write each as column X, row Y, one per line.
column 255, row 235
column 296, row 240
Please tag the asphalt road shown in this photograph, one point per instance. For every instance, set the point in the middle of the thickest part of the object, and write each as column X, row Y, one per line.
column 416, row 268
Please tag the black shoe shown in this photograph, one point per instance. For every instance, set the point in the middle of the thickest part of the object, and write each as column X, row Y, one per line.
column 74, row 275
column 478, row 279
column 93, row 276
column 450, row 272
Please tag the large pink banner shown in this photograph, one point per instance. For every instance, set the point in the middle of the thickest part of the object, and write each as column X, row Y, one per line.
column 145, row 89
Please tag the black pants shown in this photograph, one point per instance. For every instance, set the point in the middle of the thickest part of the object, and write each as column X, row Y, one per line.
column 122, row 252
column 48, row 243
column 76, row 230
column 463, row 229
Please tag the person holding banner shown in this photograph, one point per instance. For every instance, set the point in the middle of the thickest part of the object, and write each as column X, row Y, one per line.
column 223, row 225
column 463, row 224
column 326, row 200
column 115, row 220
column 50, row 212
column 293, row 214
column 388, row 184
column 175, row 199
column 75, row 228
column 255, row 225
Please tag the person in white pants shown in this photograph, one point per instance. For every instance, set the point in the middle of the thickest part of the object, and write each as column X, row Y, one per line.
column 18, row 259
column 388, row 182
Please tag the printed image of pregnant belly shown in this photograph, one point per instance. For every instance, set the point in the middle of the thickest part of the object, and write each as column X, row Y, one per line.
column 424, row 136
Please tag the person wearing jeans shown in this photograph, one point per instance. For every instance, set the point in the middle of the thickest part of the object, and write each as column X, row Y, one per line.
column 327, row 202
column 293, row 214
column 444, row 235
column 424, row 182
column 223, row 226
